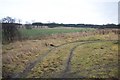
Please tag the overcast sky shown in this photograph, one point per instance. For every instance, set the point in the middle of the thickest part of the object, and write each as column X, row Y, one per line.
column 61, row 11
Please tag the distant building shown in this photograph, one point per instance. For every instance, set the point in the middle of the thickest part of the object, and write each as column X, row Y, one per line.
column 39, row 26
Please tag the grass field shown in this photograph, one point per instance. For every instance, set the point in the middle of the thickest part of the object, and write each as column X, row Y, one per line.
column 36, row 33
column 91, row 54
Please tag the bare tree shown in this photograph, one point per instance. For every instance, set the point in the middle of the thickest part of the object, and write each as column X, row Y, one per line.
column 8, row 20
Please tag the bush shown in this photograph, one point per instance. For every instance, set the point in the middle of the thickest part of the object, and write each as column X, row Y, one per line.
column 10, row 32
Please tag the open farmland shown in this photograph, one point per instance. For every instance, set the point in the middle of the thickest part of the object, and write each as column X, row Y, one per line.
column 63, row 53
column 41, row 33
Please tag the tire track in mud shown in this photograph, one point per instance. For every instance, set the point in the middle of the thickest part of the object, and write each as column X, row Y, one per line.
column 68, row 62
column 31, row 65
column 41, row 57
column 66, row 73
column 68, row 65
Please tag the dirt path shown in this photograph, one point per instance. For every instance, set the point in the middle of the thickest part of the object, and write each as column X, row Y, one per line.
column 66, row 73
column 41, row 57
column 67, row 68
column 31, row 65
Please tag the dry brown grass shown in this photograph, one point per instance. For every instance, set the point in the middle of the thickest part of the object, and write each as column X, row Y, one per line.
column 17, row 55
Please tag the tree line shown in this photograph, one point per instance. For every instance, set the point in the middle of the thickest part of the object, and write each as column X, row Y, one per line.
column 11, row 33
column 52, row 25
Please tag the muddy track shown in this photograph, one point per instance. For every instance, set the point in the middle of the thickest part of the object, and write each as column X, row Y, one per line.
column 65, row 73
column 41, row 57
column 32, row 64
column 67, row 68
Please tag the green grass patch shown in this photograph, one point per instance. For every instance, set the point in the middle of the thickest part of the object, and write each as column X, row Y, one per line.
column 90, row 60
column 32, row 33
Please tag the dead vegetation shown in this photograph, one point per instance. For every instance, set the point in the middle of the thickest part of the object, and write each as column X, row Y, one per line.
column 17, row 55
